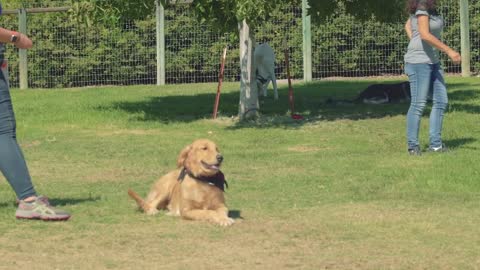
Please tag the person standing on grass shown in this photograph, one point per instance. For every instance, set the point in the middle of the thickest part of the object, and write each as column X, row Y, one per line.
column 422, row 66
column 12, row 162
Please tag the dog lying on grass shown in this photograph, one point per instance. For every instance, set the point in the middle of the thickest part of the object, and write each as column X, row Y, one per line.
column 385, row 93
column 195, row 190
column 380, row 94
column 264, row 59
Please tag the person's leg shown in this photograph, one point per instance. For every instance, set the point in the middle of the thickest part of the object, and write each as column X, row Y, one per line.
column 12, row 162
column 14, row 167
column 440, row 102
column 419, row 77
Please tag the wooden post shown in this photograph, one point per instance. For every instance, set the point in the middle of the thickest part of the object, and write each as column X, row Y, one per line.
column 307, row 43
column 248, row 107
column 22, row 53
column 160, row 26
column 465, row 38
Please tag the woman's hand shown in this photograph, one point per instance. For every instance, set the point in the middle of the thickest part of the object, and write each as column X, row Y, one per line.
column 455, row 56
column 23, row 42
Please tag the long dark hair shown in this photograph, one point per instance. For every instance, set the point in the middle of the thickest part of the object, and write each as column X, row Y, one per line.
column 427, row 5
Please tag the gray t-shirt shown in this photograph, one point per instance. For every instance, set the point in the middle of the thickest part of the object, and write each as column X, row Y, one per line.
column 419, row 51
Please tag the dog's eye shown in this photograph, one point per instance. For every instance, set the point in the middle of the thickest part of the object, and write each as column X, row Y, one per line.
column 205, row 148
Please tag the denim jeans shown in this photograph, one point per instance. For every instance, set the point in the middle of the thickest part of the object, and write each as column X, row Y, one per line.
column 425, row 79
column 12, row 162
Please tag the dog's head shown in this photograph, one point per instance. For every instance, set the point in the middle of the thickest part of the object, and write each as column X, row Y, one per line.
column 202, row 158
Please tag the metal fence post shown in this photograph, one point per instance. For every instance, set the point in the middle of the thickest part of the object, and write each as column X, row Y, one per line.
column 22, row 53
column 160, row 25
column 307, row 43
column 465, row 38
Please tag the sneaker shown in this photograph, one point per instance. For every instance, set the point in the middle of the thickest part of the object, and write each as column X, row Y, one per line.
column 440, row 149
column 414, row 151
column 40, row 208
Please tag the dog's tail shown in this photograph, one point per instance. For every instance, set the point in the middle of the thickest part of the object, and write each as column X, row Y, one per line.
column 137, row 198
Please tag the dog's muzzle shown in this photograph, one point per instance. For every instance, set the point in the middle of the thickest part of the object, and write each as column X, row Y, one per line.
column 213, row 167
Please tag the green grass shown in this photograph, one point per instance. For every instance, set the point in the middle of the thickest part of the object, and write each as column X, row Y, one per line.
column 335, row 191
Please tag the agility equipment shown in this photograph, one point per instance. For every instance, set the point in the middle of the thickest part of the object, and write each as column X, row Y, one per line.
column 220, row 79
column 291, row 99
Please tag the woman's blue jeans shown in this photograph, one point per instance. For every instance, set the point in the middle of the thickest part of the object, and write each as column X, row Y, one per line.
column 12, row 162
column 426, row 79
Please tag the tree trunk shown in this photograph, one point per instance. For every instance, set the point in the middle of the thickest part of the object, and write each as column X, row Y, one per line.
column 249, row 106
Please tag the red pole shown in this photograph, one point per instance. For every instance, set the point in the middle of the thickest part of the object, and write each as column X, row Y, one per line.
column 290, row 88
column 291, row 99
column 220, row 79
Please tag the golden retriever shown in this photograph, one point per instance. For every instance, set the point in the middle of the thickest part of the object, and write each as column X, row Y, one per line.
column 195, row 190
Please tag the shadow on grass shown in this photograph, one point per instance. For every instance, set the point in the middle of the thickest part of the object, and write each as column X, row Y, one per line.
column 57, row 202
column 72, row 201
column 235, row 214
column 463, row 95
column 457, row 143
column 310, row 102
column 468, row 108
column 6, row 204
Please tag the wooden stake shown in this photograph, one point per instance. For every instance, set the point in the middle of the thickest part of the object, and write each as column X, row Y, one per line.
column 220, row 79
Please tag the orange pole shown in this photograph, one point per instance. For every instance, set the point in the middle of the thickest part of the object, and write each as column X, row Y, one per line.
column 220, row 79
column 290, row 88
column 291, row 99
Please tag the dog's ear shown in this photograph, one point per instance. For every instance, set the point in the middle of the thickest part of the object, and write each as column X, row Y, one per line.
column 183, row 156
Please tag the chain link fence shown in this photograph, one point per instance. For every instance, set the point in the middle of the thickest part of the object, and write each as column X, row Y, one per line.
column 68, row 54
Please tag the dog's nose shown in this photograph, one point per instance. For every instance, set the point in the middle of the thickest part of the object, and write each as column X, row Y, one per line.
column 219, row 158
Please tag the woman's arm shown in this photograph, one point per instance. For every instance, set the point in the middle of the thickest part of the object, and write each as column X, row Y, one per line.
column 408, row 28
column 424, row 30
column 22, row 42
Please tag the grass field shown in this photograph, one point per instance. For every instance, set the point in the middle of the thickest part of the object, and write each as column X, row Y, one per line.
column 335, row 191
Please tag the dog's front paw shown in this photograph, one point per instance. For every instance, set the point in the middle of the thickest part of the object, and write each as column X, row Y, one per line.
column 173, row 213
column 226, row 221
column 151, row 211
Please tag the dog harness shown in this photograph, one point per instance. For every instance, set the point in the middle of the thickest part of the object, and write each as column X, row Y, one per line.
column 217, row 180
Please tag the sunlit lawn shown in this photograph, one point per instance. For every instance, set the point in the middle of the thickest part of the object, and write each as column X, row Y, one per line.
column 334, row 191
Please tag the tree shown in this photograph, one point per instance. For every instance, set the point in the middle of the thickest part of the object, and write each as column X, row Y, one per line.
column 243, row 17
column 390, row 10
